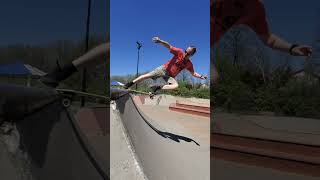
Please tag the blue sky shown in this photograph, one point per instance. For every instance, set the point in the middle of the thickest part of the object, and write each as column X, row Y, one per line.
column 293, row 19
column 179, row 22
column 39, row 21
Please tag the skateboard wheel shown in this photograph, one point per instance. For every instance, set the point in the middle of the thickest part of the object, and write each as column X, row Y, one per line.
column 66, row 102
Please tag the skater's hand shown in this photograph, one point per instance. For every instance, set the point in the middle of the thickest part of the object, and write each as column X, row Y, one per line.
column 203, row 77
column 156, row 39
column 302, row 50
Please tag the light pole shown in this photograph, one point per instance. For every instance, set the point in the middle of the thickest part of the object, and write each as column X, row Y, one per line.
column 139, row 45
column 84, row 72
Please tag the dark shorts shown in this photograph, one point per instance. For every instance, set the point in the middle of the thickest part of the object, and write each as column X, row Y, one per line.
column 161, row 72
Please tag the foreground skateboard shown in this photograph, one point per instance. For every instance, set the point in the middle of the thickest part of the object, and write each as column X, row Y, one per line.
column 68, row 95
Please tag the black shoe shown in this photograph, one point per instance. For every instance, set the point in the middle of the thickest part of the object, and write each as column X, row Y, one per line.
column 155, row 88
column 54, row 78
column 129, row 84
column 49, row 81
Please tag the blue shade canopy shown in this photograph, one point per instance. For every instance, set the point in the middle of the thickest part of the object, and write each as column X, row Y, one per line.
column 116, row 83
column 19, row 69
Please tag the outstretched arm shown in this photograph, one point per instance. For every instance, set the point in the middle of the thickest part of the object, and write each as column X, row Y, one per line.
column 277, row 43
column 162, row 42
column 257, row 20
column 197, row 75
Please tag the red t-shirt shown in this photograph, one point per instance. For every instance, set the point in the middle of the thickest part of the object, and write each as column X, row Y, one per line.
column 228, row 13
column 178, row 63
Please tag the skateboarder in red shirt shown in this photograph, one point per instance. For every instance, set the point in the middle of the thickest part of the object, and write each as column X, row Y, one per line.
column 180, row 61
column 226, row 14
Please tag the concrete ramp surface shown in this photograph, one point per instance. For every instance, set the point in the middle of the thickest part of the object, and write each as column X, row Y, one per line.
column 50, row 144
column 162, row 155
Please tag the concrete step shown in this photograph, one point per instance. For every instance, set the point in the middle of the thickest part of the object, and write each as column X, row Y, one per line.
column 189, row 110
column 270, row 148
column 194, row 106
column 94, row 120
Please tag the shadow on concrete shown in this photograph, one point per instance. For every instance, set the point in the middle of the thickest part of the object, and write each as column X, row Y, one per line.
column 49, row 135
column 125, row 97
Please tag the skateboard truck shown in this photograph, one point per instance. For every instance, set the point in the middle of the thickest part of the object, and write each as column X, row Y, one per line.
column 151, row 95
column 69, row 95
column 66, row 102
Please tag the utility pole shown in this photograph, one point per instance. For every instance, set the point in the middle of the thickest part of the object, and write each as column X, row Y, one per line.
column 84, row 72
column 139, row 45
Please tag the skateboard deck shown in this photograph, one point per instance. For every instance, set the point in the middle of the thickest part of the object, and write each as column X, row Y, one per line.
column 68, row 95
column 140, row 92
column 151, row 95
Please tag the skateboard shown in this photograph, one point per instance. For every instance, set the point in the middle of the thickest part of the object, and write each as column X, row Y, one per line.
column 68, row 95
column 150, row 94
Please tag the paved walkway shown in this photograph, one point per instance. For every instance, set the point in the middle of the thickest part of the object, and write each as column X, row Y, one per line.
column 122, row 161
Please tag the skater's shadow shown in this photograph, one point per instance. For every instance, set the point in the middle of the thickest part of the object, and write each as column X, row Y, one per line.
column 174, row 137
column 171, row 136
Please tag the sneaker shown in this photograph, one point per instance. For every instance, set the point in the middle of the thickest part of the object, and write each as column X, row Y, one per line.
column 59, row 74
column 128, row 85
column 156, row 87
column 49, row 81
